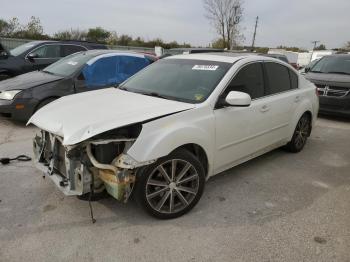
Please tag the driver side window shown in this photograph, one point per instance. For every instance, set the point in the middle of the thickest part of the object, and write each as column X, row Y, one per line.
column 250, row 80
column 48, row 51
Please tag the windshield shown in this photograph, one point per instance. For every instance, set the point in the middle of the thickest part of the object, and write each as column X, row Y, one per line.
column 22, row 48
column 69, row 65
column 178, row 79
column 333, row 64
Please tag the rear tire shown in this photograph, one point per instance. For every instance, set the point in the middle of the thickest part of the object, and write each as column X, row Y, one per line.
column 301, row 133
column 172, row 186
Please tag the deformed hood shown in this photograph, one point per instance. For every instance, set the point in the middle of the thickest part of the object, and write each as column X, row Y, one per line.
column 82, row 116
column 28, row 80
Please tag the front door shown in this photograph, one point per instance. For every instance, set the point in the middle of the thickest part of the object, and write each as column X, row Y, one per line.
column 44, row 56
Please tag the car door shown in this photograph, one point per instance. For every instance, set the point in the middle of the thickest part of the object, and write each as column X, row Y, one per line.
column 282, row 98
column 242, row 132
column 44, row 55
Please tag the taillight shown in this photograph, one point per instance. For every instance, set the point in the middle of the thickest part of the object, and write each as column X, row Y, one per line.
column 316, row 91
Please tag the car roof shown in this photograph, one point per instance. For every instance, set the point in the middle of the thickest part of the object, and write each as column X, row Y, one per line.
column 227, row 57
column 83, row 43
column 101, row 52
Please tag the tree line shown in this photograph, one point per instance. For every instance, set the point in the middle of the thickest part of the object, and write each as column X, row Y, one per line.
column 34, row 30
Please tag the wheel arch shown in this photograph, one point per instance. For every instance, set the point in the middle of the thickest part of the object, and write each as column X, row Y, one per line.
column 37, row 106
column 304, row 108
column 154, row 142
column 199, row 153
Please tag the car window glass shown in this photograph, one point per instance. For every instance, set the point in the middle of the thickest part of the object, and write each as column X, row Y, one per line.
column 113, row 70
column 249, row 80
column 293, row 79
column 71, row 49
column 333, row 64
column 278, row 78
column 184, row 80
column 48, row 51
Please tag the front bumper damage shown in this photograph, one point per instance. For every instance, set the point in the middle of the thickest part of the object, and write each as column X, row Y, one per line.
column 76, row 170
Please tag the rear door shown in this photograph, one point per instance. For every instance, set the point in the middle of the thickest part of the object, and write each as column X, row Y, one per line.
column 281, row 97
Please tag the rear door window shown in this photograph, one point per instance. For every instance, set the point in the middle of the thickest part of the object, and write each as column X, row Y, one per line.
column 71, row 49
column 277, row 77
column 293, row 79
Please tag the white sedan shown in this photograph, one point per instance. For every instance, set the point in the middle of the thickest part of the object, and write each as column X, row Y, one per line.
column 166, row 130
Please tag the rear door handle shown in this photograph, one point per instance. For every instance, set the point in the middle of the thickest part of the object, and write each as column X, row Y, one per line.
column 297, row 99
column 264, row 108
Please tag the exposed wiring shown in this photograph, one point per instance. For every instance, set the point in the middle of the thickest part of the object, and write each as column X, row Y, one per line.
column 7, row 160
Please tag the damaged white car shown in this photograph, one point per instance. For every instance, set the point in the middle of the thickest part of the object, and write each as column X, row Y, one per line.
column 166, row 130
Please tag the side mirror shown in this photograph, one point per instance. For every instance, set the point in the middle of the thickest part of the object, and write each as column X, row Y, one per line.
column 32, row 56
column 240, row 99
column 307, row 69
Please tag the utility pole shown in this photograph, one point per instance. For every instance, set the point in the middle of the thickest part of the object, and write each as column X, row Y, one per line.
column 315, row 44
column 256, row 26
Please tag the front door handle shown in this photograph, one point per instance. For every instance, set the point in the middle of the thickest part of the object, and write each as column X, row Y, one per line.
column 297, row 99
column 264, row 108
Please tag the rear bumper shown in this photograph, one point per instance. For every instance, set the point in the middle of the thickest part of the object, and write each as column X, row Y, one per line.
column 18, row 109
column 335, row 105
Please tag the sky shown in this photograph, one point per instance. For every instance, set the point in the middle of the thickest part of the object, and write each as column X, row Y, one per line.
column 281, row 22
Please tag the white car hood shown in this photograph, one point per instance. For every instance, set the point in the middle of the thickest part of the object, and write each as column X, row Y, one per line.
column 82, row 116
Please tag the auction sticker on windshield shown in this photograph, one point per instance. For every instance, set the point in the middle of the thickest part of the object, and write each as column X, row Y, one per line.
column 72, row 63
column 205, row 67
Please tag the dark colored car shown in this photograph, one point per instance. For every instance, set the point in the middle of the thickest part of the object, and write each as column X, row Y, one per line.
column 331, row 75
column 283, row 58
column 308, row 67
column 278, row 56
column 37, row 55
column 2, row 49
column 23, row 95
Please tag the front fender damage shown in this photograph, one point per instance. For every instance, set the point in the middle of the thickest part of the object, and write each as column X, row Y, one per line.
column 97, row 164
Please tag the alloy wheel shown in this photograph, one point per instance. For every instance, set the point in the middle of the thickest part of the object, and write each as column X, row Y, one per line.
column 172, row 186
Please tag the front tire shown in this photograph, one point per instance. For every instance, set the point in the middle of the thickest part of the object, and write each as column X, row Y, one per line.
column 301, row 133
column 172, row 186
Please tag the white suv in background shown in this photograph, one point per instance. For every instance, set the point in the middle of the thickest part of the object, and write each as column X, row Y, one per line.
column 166, row 130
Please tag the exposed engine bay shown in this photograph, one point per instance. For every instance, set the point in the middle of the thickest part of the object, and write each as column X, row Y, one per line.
column 97, row 164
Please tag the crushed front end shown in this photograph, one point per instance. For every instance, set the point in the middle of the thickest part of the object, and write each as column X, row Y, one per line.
column 98, row 164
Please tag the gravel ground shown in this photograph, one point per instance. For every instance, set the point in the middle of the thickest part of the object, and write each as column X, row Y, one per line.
column 278, row 207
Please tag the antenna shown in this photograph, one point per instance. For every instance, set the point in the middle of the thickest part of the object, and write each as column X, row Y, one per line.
column 256, row 26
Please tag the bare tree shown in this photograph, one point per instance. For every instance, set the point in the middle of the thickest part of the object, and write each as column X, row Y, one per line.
column 225, row 16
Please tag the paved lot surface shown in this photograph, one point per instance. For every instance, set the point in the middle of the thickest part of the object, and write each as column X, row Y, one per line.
column 279, row 207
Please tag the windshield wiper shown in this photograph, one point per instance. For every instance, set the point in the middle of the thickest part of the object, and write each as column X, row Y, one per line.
column 154, row 94
column 122, row 88
column 320, row 72
column 339, row 72
column 48, row 72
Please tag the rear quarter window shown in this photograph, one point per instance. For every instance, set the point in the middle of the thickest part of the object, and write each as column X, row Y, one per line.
column 294, row 80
